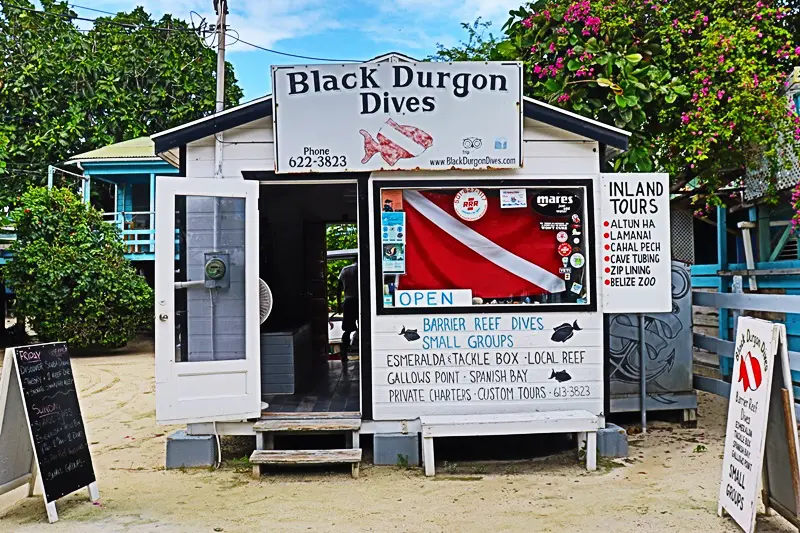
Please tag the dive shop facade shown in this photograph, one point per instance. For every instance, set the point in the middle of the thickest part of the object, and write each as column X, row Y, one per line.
column 490, row 245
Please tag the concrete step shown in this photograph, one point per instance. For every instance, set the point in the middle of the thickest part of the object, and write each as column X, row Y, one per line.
column 305, row 457
column 298, row 425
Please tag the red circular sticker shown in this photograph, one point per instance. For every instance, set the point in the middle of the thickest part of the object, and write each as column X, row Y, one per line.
column 564, row 249
column 470, row 204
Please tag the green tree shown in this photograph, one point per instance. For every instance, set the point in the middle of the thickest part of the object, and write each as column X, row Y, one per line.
column 338, row 237
column 479, row 45
column 700, row 84
column 64, row 90
column 71, row 279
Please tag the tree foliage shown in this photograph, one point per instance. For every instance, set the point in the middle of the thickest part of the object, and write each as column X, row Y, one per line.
column 64, row 90
column 700, row 84
column 69, row 273
column 338, row 237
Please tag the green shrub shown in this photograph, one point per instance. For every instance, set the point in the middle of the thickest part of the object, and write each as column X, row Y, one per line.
column 71, row 279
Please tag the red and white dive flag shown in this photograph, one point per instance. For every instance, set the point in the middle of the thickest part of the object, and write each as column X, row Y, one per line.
column 504, row 254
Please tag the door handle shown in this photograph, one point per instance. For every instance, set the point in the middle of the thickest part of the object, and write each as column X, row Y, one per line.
column 163, row 317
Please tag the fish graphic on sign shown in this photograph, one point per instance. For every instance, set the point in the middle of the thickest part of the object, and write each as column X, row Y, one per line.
column 561, row 376
column 749, row 372
column 394, row 142
column 564, row 332
column 409, row 334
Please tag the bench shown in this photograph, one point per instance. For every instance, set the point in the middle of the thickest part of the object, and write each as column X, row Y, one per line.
column 583, row 423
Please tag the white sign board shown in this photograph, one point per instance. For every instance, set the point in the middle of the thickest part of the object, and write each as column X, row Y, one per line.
column 486, row 363
column 635, row 263
column 433, row 298
column 397, row 116
column 756, row 346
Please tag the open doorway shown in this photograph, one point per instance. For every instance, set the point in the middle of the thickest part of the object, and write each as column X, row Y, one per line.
column 308, row 234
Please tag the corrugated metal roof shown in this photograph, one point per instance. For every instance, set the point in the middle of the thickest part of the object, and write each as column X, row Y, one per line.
column 140, row 148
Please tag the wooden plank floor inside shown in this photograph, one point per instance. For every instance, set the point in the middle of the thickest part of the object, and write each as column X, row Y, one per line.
column 335, row 393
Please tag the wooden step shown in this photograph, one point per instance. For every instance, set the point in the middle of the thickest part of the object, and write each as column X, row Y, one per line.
column 305, row 457
column 308, row 415
column 301, row 425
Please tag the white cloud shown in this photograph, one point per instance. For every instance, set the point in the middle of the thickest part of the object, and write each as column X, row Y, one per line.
column 410, row 24
column 260, row 22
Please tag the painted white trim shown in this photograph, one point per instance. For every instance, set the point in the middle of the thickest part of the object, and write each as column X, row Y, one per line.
column 387, row 57
column 211, row 116
column 309, row 182
column 575, row 116
column 138, row 159
column 168, row 371
column 484, row 247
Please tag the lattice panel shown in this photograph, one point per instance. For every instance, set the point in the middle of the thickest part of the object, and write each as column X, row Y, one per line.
column 756, row 185
column 682, row 229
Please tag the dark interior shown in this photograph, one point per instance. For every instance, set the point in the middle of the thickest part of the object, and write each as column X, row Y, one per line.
column 293, row 262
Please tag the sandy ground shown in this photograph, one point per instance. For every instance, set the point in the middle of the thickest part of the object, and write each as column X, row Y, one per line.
column 670, row 483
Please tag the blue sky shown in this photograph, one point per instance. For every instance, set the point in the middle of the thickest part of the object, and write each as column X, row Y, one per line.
column 344, row 29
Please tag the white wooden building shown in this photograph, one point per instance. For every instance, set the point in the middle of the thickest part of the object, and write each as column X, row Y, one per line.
column 517, row 368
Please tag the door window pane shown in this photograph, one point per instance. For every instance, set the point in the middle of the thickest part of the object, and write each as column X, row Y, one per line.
column 210, row 278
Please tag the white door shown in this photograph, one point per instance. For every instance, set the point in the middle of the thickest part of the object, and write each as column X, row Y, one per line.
column 207, row 321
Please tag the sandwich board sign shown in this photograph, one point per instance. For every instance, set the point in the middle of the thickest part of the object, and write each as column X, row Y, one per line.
column 760, row 439
column 42, row 437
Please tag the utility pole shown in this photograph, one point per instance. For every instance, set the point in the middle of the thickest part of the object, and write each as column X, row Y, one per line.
column 221, row 7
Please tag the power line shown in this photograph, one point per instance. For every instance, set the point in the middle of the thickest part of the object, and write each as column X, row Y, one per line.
column 297, row 55
column 92, row 9
column 100, row 21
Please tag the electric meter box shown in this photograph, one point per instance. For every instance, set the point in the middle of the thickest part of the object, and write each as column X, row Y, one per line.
column 216, row 270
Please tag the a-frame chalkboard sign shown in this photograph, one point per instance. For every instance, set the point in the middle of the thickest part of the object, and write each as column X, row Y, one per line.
column 41, row 430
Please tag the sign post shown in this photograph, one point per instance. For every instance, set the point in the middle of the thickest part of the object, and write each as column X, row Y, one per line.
column 39, row 409
column 760, row 437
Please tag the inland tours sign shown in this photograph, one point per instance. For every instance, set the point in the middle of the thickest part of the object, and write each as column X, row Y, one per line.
column 397, row 116
column 636, row 256
column 487, row 363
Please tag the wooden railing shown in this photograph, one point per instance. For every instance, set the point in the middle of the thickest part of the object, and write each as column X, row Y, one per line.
column 741, row 304
column 137, row 229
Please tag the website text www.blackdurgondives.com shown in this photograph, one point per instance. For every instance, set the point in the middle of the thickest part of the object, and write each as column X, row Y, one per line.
column 466, row 161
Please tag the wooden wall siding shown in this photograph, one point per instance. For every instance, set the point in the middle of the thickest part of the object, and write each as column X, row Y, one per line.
column 229, row 305
column 547, row 150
